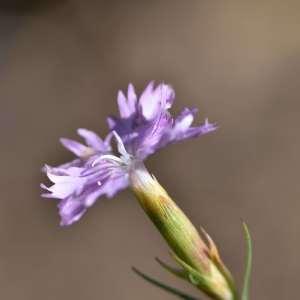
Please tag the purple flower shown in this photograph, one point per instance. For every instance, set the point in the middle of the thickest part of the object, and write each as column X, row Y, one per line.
column 144, row 126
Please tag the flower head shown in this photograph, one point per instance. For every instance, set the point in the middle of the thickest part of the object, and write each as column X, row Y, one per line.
column 144, row 126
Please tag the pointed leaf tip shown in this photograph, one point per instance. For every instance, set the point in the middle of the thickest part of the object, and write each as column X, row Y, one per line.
column 163, row 286
column 247, row 276
column 179, row 272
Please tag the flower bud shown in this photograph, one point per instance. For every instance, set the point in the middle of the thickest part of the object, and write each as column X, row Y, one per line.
column 200, row 262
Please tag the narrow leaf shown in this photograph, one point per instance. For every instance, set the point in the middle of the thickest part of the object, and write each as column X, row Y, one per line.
column 163, row 286
column 175, row 271
column 247, row 276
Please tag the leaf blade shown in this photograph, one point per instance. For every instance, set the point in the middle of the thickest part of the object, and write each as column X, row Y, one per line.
column 249, row 259
column 163, row 286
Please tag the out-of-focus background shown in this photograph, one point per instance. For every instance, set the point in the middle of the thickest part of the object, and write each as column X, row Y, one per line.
column 61, row 64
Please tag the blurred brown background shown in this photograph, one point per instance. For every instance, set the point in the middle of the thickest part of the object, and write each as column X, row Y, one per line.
column 61, row 64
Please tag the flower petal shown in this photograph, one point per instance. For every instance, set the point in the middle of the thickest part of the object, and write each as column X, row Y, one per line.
column 199, row 130
column 151, row 136
column 70, row 211
column 179, row 133
column 93, row 140
column 64, row 185
column 111, row 122
column 132, row 99
column 184, row 120
column 127, row 106
column 115, row 184
column 123, row 106
column 78, row 149
column 153, row 101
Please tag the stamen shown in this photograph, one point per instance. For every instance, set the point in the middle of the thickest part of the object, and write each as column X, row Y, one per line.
column 121, row 147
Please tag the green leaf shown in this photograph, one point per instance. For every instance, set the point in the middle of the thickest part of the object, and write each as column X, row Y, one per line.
column 195, row 277
column 175, row 271
column 247, row 276
column 163, row 286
